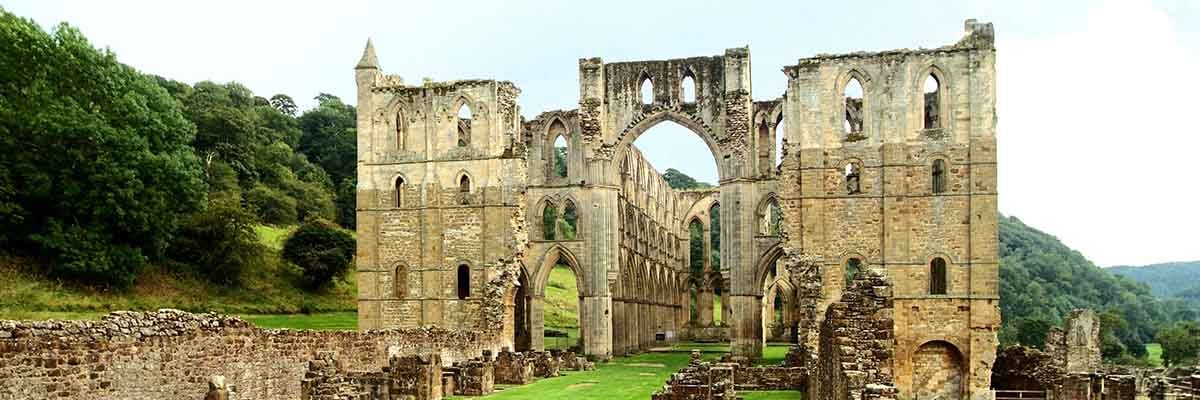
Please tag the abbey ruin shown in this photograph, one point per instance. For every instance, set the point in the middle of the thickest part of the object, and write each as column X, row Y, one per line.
column 876, row 229
column 869, row 243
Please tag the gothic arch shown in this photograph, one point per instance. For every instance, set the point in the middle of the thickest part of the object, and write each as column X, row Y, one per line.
column 654, row 117
column 554, row 254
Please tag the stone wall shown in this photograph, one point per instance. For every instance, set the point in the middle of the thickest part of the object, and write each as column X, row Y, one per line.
column 856, row 340
column 171, row 354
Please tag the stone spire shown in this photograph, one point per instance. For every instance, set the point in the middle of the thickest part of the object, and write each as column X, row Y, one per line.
column 368, row 60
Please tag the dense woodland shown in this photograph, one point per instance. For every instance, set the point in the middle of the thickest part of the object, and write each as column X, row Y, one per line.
column 105, row 170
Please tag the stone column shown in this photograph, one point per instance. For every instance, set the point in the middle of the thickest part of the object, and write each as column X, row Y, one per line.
column 537, row 323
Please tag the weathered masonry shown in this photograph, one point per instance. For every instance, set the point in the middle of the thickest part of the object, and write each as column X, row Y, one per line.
column 888, row 166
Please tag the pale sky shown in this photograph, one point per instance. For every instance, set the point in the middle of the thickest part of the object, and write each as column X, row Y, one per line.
column 1093, row 144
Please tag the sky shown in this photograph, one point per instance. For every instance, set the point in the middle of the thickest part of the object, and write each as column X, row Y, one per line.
column 1091, row 95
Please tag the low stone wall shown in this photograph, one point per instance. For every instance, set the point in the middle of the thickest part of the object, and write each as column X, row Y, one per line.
column 722, row 380
column 513, row 368
column 171, row 354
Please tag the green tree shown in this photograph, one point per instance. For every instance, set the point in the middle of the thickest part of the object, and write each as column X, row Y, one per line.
column 220, row 240
column 1180, row 343
column 345, row 202
column 682, row 181
column 321, row 249
column 97, row 173
column 284, row 104
column 1032, row 332
column 328, row 136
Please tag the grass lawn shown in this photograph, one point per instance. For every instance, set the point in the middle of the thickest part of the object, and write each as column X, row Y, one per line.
column 334, row 321
column 270, row 287
column 635, row 377
column 1154, row 355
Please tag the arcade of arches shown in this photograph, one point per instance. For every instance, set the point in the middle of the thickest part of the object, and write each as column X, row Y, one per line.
column 861, row 184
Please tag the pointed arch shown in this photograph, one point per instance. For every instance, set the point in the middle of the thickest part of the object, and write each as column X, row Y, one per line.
column 464, row 119
column 398, row 191
column 570, row 227
column 554, row 255
column 645, row 89
column 400, row 281
column 855, row 105
column 558, row 149
column 770, row 216
column 549, row 212
column 687, row 87
column 401, row 130
column 465, row 187
column 931, row 90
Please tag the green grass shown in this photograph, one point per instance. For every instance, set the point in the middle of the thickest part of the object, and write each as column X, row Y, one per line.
column 334, row 321
column 273, row 237
column 1154, row 354
column 271, row 287
column 561, row 308
column 635, row 377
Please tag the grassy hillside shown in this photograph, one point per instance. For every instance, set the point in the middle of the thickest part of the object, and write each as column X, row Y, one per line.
column 271, row 288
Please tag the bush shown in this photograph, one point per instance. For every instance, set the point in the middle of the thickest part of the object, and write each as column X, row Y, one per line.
column 321, row 249
column 272, row 206
column 219, row 242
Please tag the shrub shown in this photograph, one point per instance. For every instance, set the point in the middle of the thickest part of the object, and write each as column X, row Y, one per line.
column 219, row 242
column 321, row 249
column 272, row 206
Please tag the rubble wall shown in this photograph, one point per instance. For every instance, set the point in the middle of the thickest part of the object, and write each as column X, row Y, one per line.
column 171, row 354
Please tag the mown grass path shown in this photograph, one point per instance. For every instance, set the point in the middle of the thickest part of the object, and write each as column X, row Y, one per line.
column 634, row 377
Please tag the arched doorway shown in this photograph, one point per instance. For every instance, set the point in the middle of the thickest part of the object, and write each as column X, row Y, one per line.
column 517, row 313
column 556, row 318
column 938, row 371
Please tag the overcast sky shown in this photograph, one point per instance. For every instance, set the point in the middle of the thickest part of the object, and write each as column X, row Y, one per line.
column 1093, row 144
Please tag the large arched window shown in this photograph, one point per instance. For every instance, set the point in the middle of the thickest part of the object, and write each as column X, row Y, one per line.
column 939, row 176
column 399, row 192
column 556, row 150
column 780, row 132
column 464, row 125
column 400, row 282
column 937, row 276
column 853, row 173
column 932, row 103
column 570, row 221
column 464, row 281
column 646, row 90
column 853, row 123
column 549, row 221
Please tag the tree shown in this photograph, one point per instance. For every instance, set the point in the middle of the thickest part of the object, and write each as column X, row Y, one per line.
column 220, row 241
column 328, row 136
column 97, row 173
column 1032, row 331
column 345, row 202
column 321, row 249
column 284, row 104
column 680, row 180
column 1180, row 343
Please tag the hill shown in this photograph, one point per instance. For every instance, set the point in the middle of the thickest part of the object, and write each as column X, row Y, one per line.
column 1165, row 280
column 1043, row 279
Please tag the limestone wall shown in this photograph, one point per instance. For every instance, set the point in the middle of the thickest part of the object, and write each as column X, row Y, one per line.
column 171, row 354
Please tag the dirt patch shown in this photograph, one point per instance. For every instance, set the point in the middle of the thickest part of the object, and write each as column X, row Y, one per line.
column 647, row 365
column 581, row 385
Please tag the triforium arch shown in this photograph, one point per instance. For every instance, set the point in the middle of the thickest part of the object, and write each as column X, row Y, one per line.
column 632, row 255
